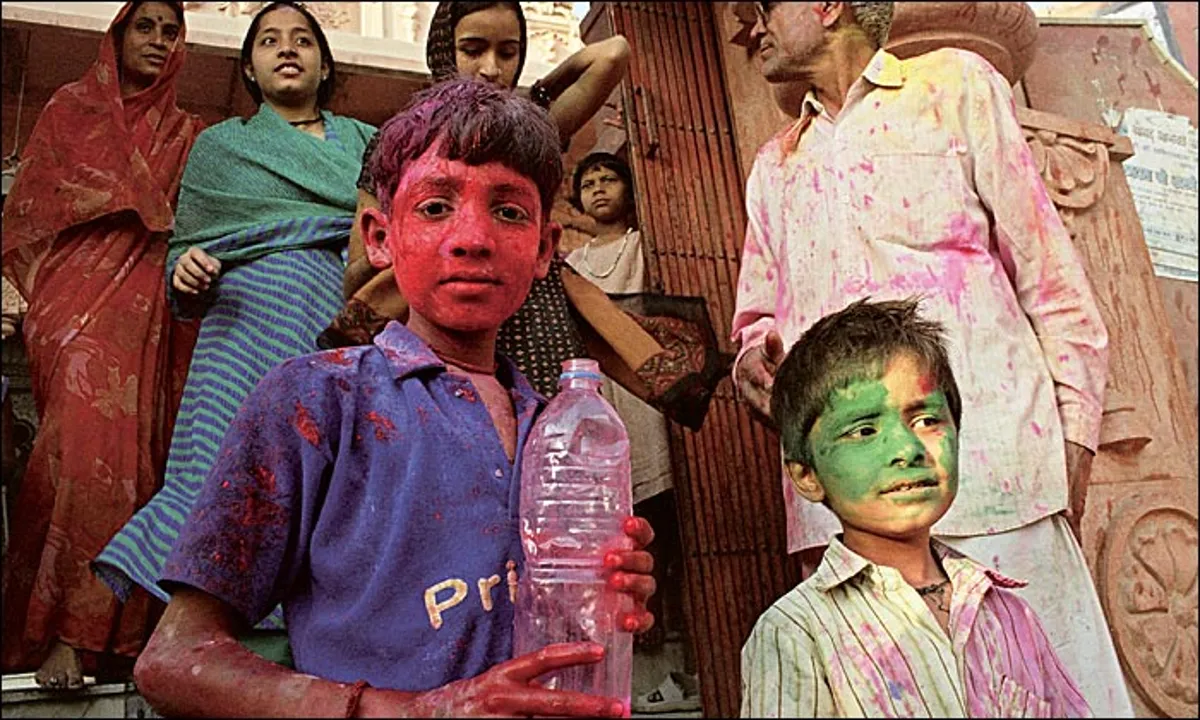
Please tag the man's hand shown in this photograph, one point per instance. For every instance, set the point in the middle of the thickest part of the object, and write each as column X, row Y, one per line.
column 756, row 373
column 506, row 690
column 1079, row 471
column 630, row 572
column 195, row 271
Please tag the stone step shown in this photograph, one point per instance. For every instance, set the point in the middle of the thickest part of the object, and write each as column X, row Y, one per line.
column 21, row 697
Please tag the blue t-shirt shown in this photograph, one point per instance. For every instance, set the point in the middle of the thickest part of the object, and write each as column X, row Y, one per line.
column 367, row 490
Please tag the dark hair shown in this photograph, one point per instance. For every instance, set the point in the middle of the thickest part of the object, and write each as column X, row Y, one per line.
column 440, row 55
column 474, row 122
column 121, row 27
column 609, row 162
column 325, row 89
column 848, row 346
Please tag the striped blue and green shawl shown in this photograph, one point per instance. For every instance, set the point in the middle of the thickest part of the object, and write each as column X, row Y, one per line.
column 275, row 206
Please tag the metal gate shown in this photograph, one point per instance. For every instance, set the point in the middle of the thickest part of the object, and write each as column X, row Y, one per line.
column 692, row 212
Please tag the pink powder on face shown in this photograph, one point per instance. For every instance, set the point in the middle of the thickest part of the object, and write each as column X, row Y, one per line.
column 466, row 241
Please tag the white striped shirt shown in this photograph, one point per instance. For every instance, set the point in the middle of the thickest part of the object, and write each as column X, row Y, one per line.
column 856, row 640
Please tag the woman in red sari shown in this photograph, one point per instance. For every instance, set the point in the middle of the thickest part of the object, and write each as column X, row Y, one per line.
column 85, row 230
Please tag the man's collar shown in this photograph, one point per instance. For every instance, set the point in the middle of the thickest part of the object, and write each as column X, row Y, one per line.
column 884, row 70
column 841, row 564
column 407, row 354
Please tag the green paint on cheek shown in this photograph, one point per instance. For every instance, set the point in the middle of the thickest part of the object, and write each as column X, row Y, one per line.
column 849, row 469
column 949, row 455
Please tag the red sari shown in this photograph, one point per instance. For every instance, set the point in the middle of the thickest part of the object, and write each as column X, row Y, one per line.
column 84, row 240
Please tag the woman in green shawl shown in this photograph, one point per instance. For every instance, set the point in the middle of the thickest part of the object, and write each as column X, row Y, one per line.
column 265, row 210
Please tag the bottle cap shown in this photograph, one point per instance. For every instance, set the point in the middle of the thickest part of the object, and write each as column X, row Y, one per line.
column 580, row 368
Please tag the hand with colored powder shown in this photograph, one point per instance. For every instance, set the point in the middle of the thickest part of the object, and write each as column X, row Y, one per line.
column 506, row 690
column 755, row 373
column 630, row 572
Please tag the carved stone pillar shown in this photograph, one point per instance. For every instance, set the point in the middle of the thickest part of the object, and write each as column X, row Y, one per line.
column 1140, row 529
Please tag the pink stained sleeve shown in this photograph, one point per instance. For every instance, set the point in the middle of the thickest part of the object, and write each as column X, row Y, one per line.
column 1036, row 249
column 754, row 313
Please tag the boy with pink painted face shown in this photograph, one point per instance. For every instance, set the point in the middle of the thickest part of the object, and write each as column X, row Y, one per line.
column 373, row 490
column 893, row 623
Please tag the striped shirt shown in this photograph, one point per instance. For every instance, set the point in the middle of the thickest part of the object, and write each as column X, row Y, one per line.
column 855, row 640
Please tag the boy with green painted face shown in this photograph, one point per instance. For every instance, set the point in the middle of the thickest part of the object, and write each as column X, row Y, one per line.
column 893, row 623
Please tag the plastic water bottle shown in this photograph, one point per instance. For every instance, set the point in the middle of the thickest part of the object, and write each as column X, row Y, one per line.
column 575, row 496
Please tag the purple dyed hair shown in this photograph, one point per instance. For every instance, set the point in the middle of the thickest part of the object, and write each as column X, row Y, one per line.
column 477, row 123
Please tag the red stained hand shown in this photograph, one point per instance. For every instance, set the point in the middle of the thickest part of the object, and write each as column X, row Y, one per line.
column 630, row 573
column 507, row 690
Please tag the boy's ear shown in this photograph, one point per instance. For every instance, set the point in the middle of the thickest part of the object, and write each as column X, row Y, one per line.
column 551, row 235
column 805, row 481
column 374, row 229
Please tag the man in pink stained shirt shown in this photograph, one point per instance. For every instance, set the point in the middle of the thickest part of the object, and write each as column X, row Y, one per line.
column 913, row 177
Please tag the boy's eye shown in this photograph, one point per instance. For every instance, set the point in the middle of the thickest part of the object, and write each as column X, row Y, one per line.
column 927, row 421
column 303, row 42
column 434, row 208
column 860, row 432
column 268, row 41
column 512, row 213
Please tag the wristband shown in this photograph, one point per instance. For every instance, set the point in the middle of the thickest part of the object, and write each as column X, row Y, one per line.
column 540, row 95
column 356, row 693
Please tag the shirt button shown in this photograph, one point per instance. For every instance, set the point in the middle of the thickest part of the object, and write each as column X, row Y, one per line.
column 458, row 393
column 499, row 473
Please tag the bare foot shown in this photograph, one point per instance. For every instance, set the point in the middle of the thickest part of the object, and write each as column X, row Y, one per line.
column 62, row 669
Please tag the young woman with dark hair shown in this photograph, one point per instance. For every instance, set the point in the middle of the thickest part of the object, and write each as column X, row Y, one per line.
column 264, row 213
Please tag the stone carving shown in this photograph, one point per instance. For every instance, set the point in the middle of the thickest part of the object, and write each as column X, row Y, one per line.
column 552, row 27
column 334, row 15
column 1075, row 171
column 551, row 46
column 406, row 22
column 232, row 9
column 1003, row 32
column 1149, row 591
column 331, row 15
column 548, row 10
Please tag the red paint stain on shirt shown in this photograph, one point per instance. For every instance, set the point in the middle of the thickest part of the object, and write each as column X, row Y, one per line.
column 305, row 425
column 384, row 427
column 1037, row 429
column 867, row 166
column 338, row 357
